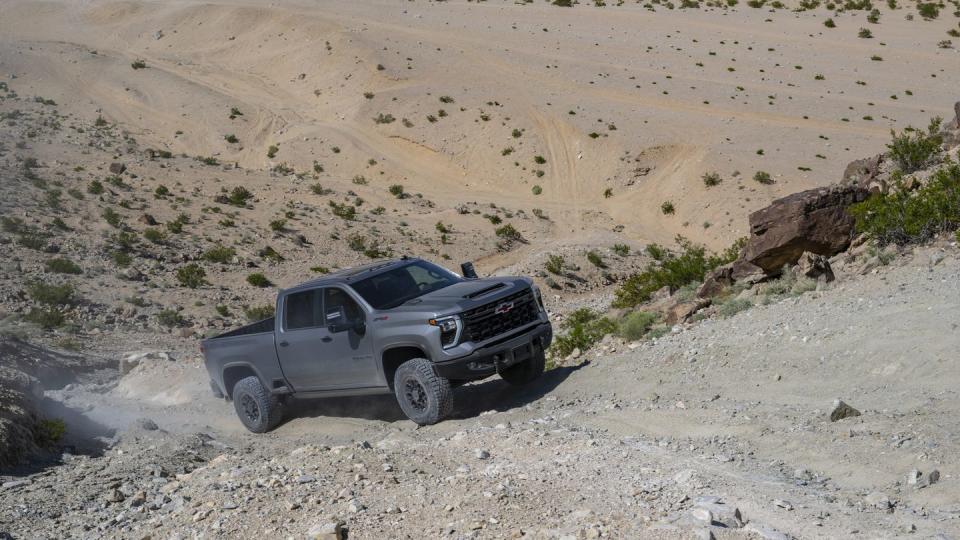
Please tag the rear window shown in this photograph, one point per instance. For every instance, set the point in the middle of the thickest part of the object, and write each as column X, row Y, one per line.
column 303, row 310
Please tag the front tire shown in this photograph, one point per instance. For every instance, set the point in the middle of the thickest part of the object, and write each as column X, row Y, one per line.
column 527, row 371
column 425, row 397
column 258, row 410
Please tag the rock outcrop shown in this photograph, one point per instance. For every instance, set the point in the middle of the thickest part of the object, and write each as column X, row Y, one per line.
column 814, row 221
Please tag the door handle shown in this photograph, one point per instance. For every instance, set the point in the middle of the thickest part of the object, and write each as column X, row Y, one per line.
column 326, row 339
column 283, row 344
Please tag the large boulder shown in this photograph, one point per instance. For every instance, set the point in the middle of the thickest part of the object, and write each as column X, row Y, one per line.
column 815, row 220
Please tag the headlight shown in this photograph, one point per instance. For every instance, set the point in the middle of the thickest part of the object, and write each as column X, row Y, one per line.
column 450, row 329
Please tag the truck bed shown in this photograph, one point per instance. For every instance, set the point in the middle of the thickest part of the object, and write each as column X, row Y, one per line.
column 260, row 327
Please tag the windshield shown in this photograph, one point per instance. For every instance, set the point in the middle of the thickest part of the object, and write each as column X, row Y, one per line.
column 392, row 288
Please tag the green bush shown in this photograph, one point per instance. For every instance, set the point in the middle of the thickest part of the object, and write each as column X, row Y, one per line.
column 912, row 149
column 258, row 313
column 555, row 264
column 238, row 196
column 902, row 217
column 220, row 254
column 258, row 280
column 278, row 225
column 63, row 265
column 112, row 217
column 509, row 233
column 667, row 208
column 191, row 275
column 733, row 306
column 583, row 327
column 636, row 325
column 763, row 177
column 397, row 191
column 51, row 294
column 49, row 432
column 621, row 249
column 711, row 179
column 47, row 319
column 155, row 236
column 344, row 211
column 170, row 318
column 672, row 270
column 595, row 259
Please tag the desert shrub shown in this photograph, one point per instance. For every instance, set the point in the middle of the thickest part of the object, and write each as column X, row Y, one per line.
column 397, row 191
column 539, row 160
column 258, row 280
column 509, row 233
column 384, row 119
column 278, row 225
column 161, row 191
column 208, row 160
column 191, row 276
column 441, row 228
column 258, row 313
column 711, row 179
column 138, row 64
column 621, row 249
column 155, row 235
column 929, row 10
column 33, row 239
column 902, row 217
column 51, row 294
column 788, row 284
column 563, row 3
column 46, row 318
column 270, row 254
column 343, row 210
column 239, row 196
column 555, row 264
column 595, row 259
column 170, row 318
column 537, row 190
column 63, row 265
column 829, row 23
column 220, row 254
column 222, row 310
column 865, row 33
column 112, row 217
column 912, row 149
column 12, row 225
column 583, row 327
column 49, row 432
column 763, row 177
column 667, row 208
column 272, row 151
column 635, row 325
column 318, row 189
column 673, row 270
column 121, row 258
column 231, row 138
column 733, row 306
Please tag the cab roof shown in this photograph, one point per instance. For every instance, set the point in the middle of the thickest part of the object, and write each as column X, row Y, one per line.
column 355, row 273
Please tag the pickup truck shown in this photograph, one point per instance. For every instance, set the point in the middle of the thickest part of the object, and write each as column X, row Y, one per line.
column 404, row 326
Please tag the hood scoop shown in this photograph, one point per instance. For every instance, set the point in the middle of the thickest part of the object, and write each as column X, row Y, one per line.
column 485, row 290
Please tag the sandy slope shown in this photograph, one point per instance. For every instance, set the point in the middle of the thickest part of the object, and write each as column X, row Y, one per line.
column 298, row 72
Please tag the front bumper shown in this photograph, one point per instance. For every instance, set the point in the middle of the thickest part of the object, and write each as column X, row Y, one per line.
column 496, row 356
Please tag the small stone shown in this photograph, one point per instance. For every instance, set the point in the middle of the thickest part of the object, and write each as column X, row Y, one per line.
column 117, row 168
column 702, row 515
column 929, row 479
column 292, row 505
column 786, row 505
column 305, row 479
column 326, row 531
column 841, row 410
column 481, row 454
column 147, row 424
column 879, row 500
column 765, row 532
column 229, row 505
column 115, row 496
column 914, row 477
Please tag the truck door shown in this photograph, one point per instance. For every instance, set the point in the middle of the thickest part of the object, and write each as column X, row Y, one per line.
column 320, row 352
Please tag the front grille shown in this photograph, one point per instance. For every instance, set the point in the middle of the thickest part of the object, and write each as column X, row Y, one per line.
column 483, row 323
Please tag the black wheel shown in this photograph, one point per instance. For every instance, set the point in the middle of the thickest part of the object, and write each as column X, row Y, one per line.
column 526, row 371
column 216, row 390
column 425, row 397
column 259, row 411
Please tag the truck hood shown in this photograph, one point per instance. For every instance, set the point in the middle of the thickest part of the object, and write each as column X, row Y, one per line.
column 465, row 295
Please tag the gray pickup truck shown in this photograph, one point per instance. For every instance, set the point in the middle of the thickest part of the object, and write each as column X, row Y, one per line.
column 406, row 327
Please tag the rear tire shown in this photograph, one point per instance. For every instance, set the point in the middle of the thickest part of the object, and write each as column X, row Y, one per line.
column 258, row 410
column 424, row 396
column 527, row 371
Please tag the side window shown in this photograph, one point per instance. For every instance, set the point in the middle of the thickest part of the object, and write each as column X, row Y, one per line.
column 303, row 310
column 335, row 299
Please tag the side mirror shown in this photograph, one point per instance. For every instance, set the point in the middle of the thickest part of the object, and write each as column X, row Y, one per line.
column 468, row 271
column 337, row 322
